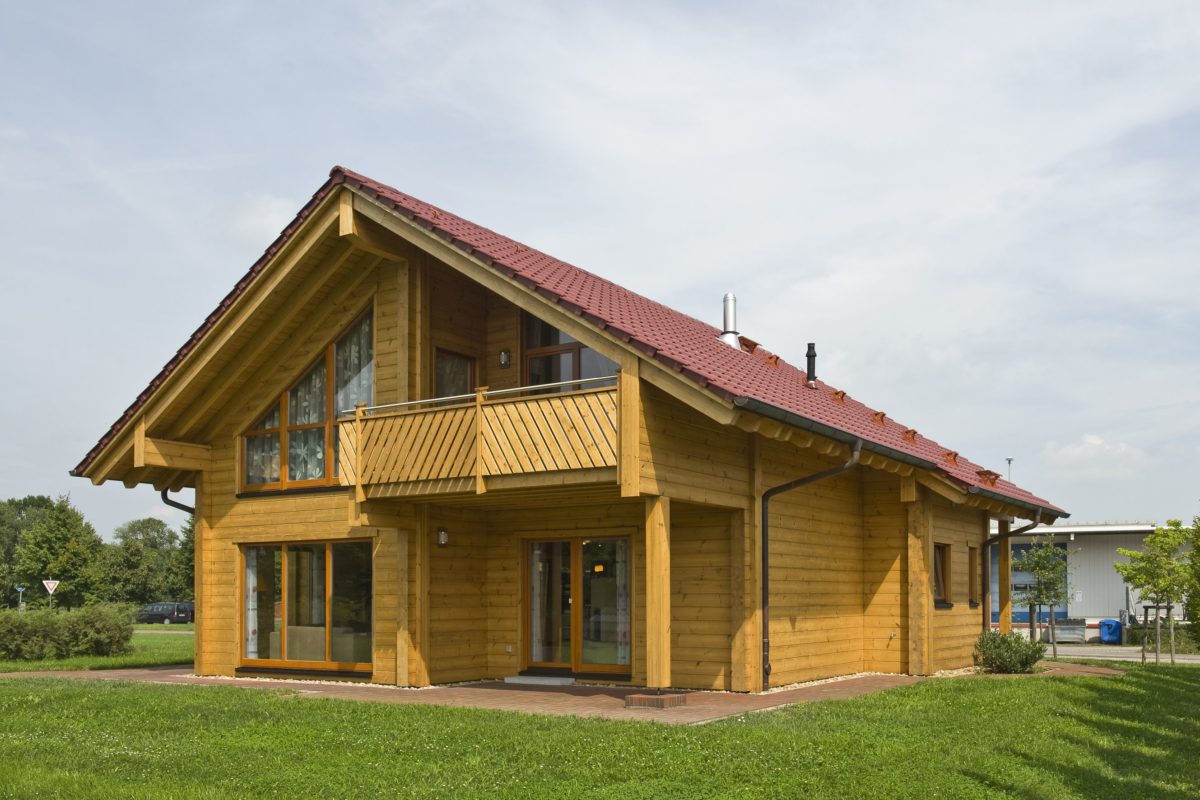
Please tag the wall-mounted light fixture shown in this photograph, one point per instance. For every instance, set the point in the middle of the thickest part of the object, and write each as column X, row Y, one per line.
column 443, row 537
column 505, row 358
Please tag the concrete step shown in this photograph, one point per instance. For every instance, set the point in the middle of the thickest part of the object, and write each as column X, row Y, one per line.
column 541, row 680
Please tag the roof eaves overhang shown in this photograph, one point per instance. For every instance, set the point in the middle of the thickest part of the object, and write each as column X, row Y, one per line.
column 1046, row 511
column 115, row 437
column 791, row 418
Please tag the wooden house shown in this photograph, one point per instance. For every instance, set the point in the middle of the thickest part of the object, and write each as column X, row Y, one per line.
column 423, row 452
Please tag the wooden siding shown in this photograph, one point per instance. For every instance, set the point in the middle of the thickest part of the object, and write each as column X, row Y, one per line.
column 885, row 578
column 954, row 630
column 457, row 597
column 688, row 457
column 816, row 579
column 701, row 607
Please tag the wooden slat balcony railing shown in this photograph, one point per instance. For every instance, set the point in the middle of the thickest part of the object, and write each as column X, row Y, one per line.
column 461, row 441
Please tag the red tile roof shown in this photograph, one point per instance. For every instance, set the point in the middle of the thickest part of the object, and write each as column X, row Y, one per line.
column 684, row 343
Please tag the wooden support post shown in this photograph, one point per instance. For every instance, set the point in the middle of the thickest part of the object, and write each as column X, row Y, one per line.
column 920, row 593
column 985, row 575
column 1004, row 579
column 658, row 592
column 746, row 656
column 403, row 634
column 385, row 590
column 629, row 467
column 200, row 526
column 419, row 618
column 480, row 397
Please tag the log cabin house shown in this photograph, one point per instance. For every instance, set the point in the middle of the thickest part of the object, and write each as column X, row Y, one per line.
column 423, row 453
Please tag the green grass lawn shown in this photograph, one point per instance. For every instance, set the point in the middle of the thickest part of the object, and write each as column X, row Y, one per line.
column 149, row 649
column 145, row 626
column 1129, row 737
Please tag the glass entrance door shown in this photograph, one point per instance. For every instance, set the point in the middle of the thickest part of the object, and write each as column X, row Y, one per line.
column 578, row 606
column 550, row 604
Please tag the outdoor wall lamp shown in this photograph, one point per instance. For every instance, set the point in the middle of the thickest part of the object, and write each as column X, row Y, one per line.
column 443, row 537
column 505, row 358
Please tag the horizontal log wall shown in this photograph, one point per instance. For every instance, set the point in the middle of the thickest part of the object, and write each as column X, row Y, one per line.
column 816, row 577
column 885, row 577
column 458, row 597
column 955, row 630
column 701, row 602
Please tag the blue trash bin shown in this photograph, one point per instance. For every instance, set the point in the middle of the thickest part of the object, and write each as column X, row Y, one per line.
column 1110, row 631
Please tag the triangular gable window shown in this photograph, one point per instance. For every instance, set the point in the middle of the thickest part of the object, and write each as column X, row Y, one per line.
column 298, row 454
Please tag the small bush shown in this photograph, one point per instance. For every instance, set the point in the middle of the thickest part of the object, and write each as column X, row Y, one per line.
column 1187, row 637
column 99, row 630
column 1007, row 653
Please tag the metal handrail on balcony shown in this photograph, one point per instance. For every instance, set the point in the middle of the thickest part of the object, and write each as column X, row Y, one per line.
column 487, row 394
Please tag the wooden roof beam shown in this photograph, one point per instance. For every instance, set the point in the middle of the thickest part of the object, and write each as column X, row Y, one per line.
column 248, row 361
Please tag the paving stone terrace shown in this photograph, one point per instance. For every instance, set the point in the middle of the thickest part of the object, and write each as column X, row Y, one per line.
column 606, row 702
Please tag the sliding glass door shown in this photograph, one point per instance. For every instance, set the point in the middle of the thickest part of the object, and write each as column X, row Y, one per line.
column 578, row 605
column 307, row 605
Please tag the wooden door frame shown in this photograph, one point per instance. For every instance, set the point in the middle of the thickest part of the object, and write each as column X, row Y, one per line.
column 576, row 539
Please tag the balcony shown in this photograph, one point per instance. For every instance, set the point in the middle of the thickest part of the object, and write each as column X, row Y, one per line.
column 492, row 439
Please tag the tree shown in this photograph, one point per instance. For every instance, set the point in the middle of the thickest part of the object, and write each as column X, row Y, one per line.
column 151, row 532
column 1192, row 603
column 1046, row 563
column 61, row 545
column 181, row 579
column 142, row 565
column 126, row 572
column 1160, row 572
column 16, row 517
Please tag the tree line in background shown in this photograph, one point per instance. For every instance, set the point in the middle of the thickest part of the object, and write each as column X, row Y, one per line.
column 43, row 538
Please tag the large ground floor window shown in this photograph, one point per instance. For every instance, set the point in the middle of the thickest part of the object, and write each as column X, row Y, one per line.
column 307, row 605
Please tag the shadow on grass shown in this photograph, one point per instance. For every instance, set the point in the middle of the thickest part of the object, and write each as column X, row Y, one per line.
column 1137, row 736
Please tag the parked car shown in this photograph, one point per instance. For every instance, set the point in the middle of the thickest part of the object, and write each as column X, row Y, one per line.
column 166, row 613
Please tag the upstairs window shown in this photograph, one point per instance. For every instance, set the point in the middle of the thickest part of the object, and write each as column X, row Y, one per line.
column 294, row 443
column 453, row 374
column 552, row 356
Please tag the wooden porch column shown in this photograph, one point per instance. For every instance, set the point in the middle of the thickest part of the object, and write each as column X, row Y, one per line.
column 918, row 556
column 419, row 616
column 658, row 592
column 1005, row 577
column 200, row 522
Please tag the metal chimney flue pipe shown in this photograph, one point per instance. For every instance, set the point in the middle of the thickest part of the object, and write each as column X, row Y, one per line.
column 812, row 365
column 730, row 333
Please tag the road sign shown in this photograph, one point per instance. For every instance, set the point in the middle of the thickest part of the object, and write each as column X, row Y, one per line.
column 50, row 586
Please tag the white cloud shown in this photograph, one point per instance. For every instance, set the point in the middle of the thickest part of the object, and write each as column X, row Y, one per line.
column 1094, row 456
column 983, row 215
column 258, row 218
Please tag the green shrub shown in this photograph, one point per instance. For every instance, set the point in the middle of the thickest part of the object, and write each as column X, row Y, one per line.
column 1187, row 637
column 98, row 630
column 1007, row 653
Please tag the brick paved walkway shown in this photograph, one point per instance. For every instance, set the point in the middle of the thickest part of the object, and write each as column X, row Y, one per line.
column 585, row 701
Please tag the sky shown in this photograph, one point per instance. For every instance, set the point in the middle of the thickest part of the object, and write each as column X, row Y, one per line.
column 985, row 215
